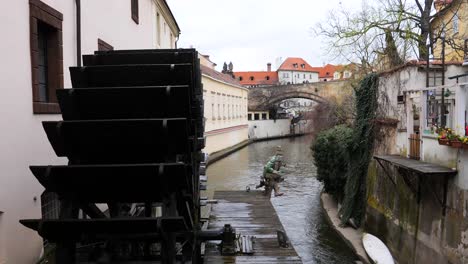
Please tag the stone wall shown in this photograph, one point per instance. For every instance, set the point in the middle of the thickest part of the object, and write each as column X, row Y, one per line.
column 417, row 232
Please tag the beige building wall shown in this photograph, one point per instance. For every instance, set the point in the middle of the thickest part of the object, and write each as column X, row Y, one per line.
column 454, row 22
column 225, row 114
column 23, row 141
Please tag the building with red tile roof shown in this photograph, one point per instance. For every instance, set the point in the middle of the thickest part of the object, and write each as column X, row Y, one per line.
column 257, row 78
column 297, row 70
column 326, row 72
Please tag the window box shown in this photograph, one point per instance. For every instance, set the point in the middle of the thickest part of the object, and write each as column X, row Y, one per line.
column 444, row 142
column 456, row 144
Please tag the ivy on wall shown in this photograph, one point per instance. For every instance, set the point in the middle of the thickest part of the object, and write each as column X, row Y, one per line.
column 360, row 151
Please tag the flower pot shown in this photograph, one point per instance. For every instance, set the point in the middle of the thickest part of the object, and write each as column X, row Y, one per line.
column 444, row 141
column 456, row 144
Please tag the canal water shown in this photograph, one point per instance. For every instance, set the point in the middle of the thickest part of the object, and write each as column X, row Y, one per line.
column 299, row 209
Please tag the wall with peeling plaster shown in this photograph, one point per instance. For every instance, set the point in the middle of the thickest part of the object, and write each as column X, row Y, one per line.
column 418, row 231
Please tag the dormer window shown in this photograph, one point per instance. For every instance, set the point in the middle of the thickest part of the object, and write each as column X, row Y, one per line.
column 295, row 65
column 251, row 78
column 303, row 66
column 240, row 78
column 268, row 78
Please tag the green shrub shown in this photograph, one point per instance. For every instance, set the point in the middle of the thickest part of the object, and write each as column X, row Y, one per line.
column 330, row 152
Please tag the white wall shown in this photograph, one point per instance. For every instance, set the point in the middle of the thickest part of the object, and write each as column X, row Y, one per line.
column 269, row 128
column 294, row 77
column 23, row 141
column 225, row 112
column 412, row 79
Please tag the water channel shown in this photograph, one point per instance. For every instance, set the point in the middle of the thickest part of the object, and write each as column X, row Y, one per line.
column 299, row 209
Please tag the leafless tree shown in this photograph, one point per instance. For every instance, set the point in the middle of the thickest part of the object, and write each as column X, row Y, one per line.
column 401, row 27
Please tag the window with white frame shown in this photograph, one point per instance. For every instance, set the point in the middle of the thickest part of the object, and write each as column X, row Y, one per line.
column 455, row 21
column 434, row 112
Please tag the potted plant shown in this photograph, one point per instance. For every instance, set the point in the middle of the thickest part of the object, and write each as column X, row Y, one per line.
column 454, row 139
column 443, row 136
column 464, row 140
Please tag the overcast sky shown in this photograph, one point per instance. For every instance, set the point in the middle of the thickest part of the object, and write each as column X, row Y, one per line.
column 251, row 33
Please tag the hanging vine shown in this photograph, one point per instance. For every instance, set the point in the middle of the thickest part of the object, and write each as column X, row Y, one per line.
column 360, row 151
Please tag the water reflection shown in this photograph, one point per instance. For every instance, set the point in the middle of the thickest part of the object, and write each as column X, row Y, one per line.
column 299, row 210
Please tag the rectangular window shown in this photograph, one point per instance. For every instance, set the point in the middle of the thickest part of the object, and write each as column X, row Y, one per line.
column 212, row 112
column 42, row 62
column 224, row 111
column 46, row 56
column 264, row 116
column 134, row 8
column 104, row 46
column 249, row 117
column 434, row 110
column 158, row 29
column 455, row 24
column 256, row 116
column 466, row 51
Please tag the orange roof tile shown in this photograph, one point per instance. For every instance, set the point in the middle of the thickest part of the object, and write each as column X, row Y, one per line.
column 295, row 64
column 326, row 71
column 259, row 77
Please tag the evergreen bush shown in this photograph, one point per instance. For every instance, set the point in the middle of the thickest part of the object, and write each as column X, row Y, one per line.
column 330, row 151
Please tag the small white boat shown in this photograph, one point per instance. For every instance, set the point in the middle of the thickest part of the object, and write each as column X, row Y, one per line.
column 376, row 250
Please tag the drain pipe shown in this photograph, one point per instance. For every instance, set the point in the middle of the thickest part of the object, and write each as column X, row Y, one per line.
column 78, row 33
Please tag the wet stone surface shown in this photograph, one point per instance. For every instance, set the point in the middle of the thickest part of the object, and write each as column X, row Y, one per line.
column 299, row 209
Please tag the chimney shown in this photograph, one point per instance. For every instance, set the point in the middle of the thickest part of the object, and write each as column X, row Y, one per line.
column 269, row 67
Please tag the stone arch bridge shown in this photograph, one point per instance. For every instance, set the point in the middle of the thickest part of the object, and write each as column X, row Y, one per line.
column 261, row 98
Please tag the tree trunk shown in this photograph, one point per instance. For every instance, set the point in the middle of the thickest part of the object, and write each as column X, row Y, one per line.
column 425, row 28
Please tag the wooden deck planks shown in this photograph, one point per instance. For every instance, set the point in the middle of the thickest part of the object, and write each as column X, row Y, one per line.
column 250, row 213
column 417, row 166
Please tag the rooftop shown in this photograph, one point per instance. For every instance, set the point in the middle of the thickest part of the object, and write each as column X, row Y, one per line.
column 257, row 77
column 296, row 64
column 219, row 76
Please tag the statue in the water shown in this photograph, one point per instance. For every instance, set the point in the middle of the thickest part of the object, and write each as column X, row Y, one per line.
column 271, row 174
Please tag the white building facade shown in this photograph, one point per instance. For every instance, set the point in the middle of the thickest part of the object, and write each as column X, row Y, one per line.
column 225, row 102
column 297, row 77
column 296, row 71
column 41, row 41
